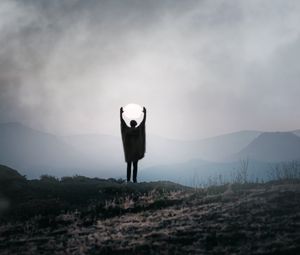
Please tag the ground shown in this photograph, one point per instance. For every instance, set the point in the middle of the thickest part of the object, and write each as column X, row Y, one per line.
column 228, row 219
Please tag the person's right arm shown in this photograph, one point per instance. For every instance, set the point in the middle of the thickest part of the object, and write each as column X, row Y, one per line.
column 123, row 124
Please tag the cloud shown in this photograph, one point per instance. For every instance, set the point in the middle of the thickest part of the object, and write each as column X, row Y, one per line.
column 200, row 67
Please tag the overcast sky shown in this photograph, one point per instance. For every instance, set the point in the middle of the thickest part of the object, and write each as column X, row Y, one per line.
column 201, row 68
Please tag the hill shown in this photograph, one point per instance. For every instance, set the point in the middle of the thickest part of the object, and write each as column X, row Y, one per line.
column 50, row 195
column 79, row 215
column 272, row 147
column 7, row 175
column 12, row 187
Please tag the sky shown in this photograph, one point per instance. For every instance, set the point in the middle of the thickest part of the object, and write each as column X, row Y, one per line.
column 201, row 68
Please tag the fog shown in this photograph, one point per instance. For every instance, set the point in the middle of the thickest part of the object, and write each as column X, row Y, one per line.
column 201, row 68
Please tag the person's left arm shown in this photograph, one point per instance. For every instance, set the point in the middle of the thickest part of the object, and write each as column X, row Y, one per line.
column 123, row 123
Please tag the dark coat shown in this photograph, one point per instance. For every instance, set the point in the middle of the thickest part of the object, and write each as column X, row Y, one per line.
column 134, row 140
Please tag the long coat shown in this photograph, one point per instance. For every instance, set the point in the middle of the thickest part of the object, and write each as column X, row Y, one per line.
column 134, row 140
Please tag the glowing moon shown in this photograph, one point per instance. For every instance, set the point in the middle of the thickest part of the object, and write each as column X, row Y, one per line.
column 133, row 111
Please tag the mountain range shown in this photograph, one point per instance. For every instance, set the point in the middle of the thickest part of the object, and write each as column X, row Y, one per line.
column 35, row 153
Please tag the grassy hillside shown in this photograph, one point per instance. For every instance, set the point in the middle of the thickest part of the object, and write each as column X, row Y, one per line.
column 79, row 215
column 52, row 196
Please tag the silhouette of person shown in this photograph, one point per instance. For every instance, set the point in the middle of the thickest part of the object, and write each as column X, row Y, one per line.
column 134, row 143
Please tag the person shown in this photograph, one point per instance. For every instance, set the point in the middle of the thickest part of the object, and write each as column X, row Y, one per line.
column 134, row 143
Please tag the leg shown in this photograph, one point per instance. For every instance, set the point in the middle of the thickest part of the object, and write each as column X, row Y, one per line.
column 128, row 170
column 135, row 168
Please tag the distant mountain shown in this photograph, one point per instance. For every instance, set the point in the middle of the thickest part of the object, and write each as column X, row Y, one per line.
column 220, row 147
column 35, row 153
column 272, row 147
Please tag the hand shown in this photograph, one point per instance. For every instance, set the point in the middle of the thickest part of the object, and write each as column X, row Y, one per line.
column 144, row 109
column 121, row 110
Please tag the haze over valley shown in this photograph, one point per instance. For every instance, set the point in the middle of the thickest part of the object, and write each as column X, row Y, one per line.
column 35, row 153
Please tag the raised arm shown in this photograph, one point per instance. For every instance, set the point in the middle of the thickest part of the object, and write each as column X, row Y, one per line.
column 121, row 117
column 144, row 119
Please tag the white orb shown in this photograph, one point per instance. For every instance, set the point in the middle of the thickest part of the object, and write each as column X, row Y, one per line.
column 132, row 111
